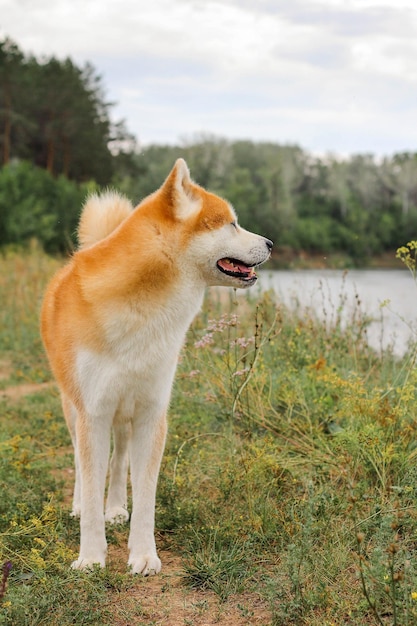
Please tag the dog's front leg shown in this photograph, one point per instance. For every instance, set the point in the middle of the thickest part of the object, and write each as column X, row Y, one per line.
column 147, row 446
column 93, row 446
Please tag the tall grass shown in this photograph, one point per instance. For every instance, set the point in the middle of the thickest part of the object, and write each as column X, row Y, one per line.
column 289, row 474
column 23, row 277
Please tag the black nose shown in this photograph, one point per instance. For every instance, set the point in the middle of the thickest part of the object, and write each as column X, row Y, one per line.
column 269, row 243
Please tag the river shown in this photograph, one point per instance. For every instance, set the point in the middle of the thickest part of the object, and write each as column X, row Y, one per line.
column 389, row 297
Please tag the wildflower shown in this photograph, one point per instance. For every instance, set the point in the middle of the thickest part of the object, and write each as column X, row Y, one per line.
column 40, row 541
column 204, row 341
column 194, row 373
column 222, row 323
column 405, row 254
column 241, row 372
column 37, row 559
column 242, row 342
column 414, row 595
column 7, row 566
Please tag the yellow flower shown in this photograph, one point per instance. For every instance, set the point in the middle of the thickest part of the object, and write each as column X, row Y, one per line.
column 414, row 595
column 40, row 541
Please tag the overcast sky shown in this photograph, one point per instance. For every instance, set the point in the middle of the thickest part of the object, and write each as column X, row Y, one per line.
column 330, row 75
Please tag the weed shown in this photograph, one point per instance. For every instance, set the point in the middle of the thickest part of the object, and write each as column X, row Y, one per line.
column 408, row 255
column 7, row 566
column 210, row 564
column 385, row 565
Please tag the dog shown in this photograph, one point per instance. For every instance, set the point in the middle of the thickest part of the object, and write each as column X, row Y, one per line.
column 113, row 322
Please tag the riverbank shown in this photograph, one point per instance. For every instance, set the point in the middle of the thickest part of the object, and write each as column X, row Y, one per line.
column 284, row 258
column 380, row 297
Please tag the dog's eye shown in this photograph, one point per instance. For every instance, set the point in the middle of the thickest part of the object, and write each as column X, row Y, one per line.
column 234, row 224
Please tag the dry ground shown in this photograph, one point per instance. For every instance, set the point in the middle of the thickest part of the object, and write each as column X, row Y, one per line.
column 164, row 599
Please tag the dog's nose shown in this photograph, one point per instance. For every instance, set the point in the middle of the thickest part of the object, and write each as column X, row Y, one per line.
column 269, row 243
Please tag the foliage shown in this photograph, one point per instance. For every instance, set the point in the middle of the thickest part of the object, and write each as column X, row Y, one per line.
column 36, row 206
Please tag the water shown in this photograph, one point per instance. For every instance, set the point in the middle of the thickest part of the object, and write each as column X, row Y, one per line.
column 389, row 297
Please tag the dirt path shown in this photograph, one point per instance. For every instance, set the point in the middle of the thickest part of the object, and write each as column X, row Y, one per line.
column 19, row 391
column 15, row 392
column 164, row 600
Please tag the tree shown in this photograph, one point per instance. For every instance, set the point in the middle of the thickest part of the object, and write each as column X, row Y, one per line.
column 55, row 114
column 405, row 168
column 10, row 92
column 72, row 121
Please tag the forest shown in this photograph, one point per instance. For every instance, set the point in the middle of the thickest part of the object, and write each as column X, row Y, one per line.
column 58, row 142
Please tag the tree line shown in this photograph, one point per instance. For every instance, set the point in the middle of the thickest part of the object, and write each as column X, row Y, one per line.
column 54, row 114
column 360, row 207
column 58, row 142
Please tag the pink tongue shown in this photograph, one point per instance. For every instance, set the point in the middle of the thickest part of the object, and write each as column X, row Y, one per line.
column 243, row 269
column 235, row 267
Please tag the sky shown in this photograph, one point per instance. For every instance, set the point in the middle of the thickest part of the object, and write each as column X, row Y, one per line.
column 332, row 76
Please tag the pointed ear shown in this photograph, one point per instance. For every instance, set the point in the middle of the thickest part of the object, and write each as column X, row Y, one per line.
column 183, row 193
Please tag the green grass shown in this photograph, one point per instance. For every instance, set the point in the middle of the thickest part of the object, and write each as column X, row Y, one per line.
column 289, row 478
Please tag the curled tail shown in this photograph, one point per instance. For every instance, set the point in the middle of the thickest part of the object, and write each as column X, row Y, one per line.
column 101, row 215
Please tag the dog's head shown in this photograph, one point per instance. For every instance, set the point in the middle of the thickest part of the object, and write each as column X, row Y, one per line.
column 214, row 245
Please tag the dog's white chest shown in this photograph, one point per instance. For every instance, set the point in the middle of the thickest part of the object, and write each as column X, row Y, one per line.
column 137, row 363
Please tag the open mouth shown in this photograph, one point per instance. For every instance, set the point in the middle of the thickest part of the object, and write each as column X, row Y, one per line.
column 237, row 269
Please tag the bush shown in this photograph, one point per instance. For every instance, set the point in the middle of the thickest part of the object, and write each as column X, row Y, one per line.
column 34, row 205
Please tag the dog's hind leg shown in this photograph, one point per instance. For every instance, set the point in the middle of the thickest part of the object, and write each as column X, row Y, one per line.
column 70, row 414
column 116, row 505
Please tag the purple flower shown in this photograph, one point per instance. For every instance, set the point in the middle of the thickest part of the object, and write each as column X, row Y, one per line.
column 7, row 566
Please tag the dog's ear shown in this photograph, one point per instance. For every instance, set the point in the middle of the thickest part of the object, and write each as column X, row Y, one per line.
column 182, row 194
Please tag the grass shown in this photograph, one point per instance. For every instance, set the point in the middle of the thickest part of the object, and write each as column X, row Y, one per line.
column 288, row 488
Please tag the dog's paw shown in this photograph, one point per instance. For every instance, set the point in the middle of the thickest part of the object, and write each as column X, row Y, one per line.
column 146, row 564
column 116, row 515
column 76, row 512
column 87, row 564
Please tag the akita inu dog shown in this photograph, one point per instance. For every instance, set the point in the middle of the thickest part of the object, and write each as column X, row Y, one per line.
column 113, row 323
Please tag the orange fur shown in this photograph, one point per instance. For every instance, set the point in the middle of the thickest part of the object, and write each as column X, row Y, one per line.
column 101, row 216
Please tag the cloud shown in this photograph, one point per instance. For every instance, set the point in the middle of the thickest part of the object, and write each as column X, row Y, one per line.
column 324, row 73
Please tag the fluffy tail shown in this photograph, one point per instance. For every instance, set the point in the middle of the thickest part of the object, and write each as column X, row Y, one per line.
column 101, row 215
